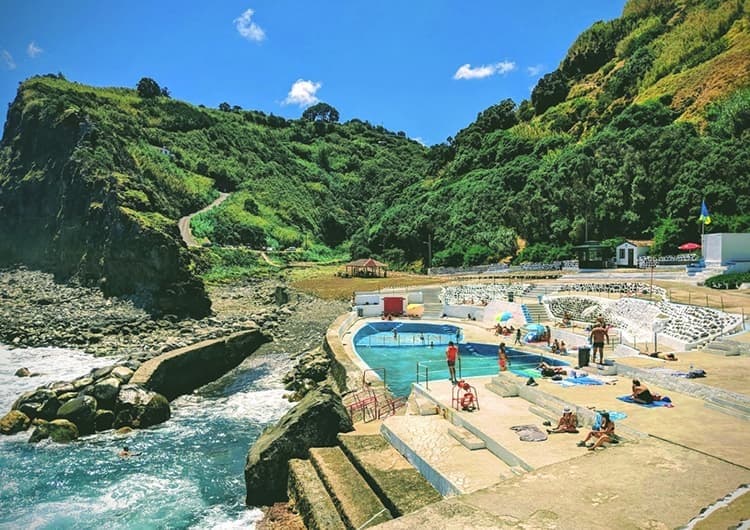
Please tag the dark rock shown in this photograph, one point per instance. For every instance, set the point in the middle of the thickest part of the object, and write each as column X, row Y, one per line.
column 62, row 431
column 82, row 382
column 98, row 373
column 104, row 420
column 23, row 372
column 39, row 433
column 106, row 390
column 62, row 388
column 81, row 411
column 13, row 422
column 138, row 407
column 62, row 398
column 313, row 422
column 39, row 403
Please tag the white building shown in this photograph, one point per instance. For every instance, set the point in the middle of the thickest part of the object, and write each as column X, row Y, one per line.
column 727, row 250
column 627, row 253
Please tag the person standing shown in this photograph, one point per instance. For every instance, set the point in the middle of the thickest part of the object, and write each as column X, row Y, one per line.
column 451, row 354
column 549, row 335
column 502, row 358
column 518, row 337
column 597, row 337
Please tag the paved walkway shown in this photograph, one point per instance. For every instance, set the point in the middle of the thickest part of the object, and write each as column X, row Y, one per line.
column 184, row 223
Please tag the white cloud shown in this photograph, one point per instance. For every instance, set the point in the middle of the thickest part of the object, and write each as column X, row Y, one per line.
column 535, row 70
column 247, row 28
column 7, row 58
column 303, row 93
column 32, row 50
column 486, row 70
column 420, row 140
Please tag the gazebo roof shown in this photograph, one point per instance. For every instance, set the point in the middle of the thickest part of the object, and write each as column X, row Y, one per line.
column 367, row 262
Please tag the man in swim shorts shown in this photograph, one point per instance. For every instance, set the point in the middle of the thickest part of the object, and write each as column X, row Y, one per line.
column 598, row 336
column 450, row 355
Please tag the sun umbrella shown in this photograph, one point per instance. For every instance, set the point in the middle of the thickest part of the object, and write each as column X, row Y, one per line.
column 535, row 327
column 689, row 246
column 416, row 310
column 505, row 315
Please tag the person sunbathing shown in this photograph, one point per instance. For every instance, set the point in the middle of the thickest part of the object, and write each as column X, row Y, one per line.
column 660, row 355
column 605, row 433
column 567, row 423
column 641, row 393
column 548, row 370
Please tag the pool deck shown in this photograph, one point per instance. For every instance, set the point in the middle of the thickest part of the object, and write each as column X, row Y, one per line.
column 671, row 464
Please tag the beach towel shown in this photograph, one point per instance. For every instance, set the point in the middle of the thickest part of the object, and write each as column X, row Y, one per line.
column 530, row 433
column 663, row 402
column 583, row 381
column 526, row 372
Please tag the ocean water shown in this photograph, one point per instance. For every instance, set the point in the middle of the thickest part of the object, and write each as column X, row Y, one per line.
column 189, row 473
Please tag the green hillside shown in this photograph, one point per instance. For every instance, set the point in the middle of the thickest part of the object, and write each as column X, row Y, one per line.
column 644, row 117
column 93, row 181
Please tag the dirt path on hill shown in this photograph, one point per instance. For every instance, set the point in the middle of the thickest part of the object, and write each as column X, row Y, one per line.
column 184, row 222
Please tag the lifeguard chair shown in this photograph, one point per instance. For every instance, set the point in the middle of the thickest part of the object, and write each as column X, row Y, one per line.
column 465, row 397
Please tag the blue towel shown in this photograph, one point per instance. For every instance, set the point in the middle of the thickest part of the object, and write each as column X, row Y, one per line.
column 663, row 402
column 583, row 381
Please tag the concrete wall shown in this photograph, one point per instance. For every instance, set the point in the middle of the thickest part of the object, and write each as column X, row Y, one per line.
column 183, row 370
column 462, row 311
column 724, row 248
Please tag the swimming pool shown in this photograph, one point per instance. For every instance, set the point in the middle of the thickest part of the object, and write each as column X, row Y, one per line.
column 403, row 347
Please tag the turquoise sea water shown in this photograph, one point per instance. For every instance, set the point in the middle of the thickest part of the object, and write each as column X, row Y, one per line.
column 421, row 347
column 189, row 473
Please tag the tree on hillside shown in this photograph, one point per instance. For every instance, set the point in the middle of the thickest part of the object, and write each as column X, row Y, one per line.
column 165, row 92
column 225, row 107
column 549, row 91
column 148, row 88
column 321, row 112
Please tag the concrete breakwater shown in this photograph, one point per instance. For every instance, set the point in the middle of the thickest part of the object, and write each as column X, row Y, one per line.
column 183, row 370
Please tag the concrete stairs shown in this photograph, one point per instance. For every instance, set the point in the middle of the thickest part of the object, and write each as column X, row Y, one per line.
column 727, row 347
column 433, row 307
column 534, row 312
column 452, row 459
column 361, row 483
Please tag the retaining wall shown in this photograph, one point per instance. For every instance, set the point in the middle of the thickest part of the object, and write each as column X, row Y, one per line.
column 183, row 370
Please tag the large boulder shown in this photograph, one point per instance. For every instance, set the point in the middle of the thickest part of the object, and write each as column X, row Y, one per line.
column 314, row 422
column 105, row 391
column 123, row 373
column 81, row 411
column 40, row 403
column 138, row 407
column 62, row 431
column 104, row 420
column 13, row 422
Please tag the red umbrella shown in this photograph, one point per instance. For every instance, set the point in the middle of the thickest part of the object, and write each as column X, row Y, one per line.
column 689, row 246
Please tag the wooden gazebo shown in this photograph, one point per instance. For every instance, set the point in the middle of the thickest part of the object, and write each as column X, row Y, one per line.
column 367, row 268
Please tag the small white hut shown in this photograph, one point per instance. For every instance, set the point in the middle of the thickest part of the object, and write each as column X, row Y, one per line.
column 627, row 253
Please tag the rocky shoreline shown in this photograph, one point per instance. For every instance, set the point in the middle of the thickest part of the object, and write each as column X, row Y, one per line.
column 35, row 311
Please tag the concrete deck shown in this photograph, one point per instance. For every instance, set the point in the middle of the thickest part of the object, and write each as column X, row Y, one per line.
column 674, row 462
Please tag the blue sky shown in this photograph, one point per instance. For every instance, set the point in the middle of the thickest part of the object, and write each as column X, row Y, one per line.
column 426, row 67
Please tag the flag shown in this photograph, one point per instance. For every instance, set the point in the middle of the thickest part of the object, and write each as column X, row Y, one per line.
column 705, row 218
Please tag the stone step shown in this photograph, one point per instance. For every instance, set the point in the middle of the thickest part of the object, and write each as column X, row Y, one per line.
column 397, row 483
column 735, row 408
column 420, row 407
column 446, row 464
column 310, row 499
column 356, row 502
column 503, row 385
column 465, row 438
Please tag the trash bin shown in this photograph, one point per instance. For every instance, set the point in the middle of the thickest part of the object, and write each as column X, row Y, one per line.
column 510, row 297
column 360, row 312
column 584, row 355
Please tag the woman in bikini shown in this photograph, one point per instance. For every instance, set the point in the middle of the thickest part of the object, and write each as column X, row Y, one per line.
column 605, row 433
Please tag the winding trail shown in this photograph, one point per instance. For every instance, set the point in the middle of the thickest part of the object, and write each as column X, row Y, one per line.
column 184, row 222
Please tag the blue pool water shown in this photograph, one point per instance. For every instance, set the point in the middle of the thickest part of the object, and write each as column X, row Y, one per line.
column 421, row 347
